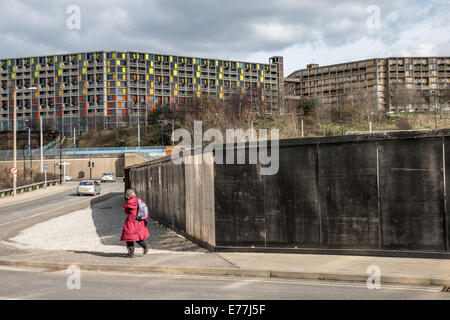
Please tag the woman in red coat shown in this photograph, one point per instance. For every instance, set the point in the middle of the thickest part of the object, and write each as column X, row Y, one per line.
column 134, row 230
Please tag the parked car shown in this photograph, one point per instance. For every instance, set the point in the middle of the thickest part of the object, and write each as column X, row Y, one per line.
column 90, row 187
column 108, row 177
column 66, row 178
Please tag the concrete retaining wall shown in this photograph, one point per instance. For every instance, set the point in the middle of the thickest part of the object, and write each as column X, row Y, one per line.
column 377, row 193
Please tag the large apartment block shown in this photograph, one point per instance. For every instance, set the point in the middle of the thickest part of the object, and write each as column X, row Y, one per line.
column 97, row 90
column 379, row 76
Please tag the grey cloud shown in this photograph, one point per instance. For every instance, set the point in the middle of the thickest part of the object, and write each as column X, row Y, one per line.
column 201, row 27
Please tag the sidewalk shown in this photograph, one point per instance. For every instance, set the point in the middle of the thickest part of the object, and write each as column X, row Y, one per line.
column 90, row 239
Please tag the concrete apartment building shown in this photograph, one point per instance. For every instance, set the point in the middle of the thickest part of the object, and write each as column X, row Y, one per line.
column 97, row 90
column 378, row 76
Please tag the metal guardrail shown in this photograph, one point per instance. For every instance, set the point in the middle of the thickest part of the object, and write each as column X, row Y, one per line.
column 35, row 186
column 88, row 151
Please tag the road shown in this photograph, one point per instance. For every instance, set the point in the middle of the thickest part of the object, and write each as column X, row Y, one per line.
column 35, row 284
column 51, row 201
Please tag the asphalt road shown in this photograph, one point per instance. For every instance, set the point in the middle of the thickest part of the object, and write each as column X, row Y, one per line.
column 34, row 284
column 51, row 201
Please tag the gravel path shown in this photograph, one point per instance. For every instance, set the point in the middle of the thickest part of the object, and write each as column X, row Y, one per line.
column 98, row 229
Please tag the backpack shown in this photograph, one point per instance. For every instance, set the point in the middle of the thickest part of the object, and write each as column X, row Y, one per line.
column 142, row 211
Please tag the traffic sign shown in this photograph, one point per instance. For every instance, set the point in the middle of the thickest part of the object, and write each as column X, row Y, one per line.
column 45, row 166
column 13, row 170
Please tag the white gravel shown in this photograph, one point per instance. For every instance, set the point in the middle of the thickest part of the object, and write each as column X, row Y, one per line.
column 98, row 229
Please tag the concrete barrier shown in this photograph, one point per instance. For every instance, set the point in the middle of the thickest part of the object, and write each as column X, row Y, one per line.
column 375, row 193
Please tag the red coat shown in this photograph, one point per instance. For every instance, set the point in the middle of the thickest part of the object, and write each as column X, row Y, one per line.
column 133, row 230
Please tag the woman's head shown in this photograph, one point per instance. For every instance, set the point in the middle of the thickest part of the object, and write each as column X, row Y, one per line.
column 130, row 194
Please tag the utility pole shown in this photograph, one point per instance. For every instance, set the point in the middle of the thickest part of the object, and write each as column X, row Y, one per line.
column 15, row 90
column 139, row 130
column 42, row 144
column 29, row 151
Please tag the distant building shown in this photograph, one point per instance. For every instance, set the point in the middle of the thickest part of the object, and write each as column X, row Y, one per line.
column 379, row 76
column 98, row 90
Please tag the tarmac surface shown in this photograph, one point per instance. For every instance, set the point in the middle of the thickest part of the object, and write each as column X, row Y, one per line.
column 86, row 234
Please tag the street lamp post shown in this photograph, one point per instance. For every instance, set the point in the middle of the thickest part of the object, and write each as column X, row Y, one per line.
column 15, row 91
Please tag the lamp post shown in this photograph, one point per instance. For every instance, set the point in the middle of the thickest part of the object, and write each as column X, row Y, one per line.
column 15, row 91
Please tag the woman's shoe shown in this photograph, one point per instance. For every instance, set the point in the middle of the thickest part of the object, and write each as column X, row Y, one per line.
column 145, row 250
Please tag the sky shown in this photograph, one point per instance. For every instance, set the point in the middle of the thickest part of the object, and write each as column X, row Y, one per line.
column 302, row 31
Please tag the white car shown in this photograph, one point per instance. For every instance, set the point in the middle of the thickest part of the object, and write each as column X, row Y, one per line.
column 108, row 177
column 66, row 178
column 90, row 187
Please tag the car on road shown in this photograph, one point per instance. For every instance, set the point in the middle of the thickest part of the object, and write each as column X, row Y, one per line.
column 89, row 187
column 108, row 177
column 66, row 178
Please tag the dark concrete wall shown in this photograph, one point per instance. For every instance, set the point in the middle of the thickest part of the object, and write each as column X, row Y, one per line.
column 385, row 193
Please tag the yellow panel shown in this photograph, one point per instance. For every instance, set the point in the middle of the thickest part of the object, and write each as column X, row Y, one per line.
column 171, row 59
column 175, row 93
column 109, row 70
column 262, row 72
column 13, row 76
column 258, row 66
column 124, row 91
column 32, row 60
column 220, row 76
column 242, row 78
column 84, row 70
column 79, row 57
column 109, row 90
column 152, row 84
column 221, row 95
column 151, row 63
column 217, row 63
column 108, row 63
column 176, row 66
column 176, row 85
column 124, row 70
column 199, row 87
column 60, row 93
column 84, row 63
column 221, row 69
column 84, row 91
column 175, row 72
column 194, row 60
column 118, row 62
column 198, row 94
column 171, row 79
column 118, row 83
column 238, row 84
column 198, row 74
column 195, row 80
column 147, row 56
column 148, row 77
column 262, row 79
column 152, row 91
column 56, row 58
column 151, row 70
column 114, row 55
column 114, row 76
column 217, row 82
column 124, row 56
column 124, row 77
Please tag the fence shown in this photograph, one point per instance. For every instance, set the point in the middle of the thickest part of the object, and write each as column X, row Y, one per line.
column 85, row 151
column 383, row 194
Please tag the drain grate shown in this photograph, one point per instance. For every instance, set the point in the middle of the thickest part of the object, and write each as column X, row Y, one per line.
column 446, row 289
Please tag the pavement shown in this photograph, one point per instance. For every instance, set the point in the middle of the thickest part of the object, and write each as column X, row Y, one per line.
column 174, row 254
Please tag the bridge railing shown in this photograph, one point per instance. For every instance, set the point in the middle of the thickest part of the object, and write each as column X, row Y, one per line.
column 80, row 151
column 34, row 186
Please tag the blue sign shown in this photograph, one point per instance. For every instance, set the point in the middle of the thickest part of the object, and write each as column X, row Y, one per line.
column 45, row 166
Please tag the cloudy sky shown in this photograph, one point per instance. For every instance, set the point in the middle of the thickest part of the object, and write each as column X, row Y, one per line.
column 303, row 31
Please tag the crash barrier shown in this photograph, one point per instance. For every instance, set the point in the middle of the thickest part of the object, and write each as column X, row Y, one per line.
column 35, row 186
column 376, row 194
